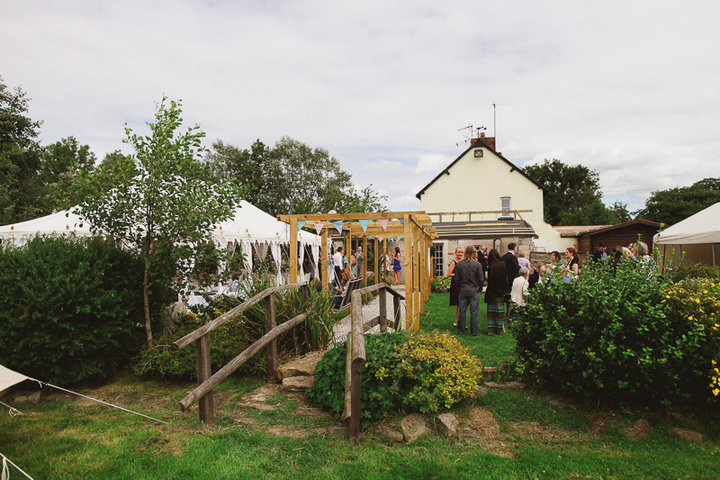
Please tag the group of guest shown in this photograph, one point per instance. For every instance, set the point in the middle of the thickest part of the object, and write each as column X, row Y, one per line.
column 347, row 268
column 469, row 271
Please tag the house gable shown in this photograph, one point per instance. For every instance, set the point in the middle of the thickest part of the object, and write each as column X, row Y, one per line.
column 482, row 179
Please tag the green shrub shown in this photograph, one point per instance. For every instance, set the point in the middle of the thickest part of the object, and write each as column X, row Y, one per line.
column 69, row 308
column 608, row 337
column 698, row 301
column 440, row 284
column 238, row 333
column 402, row 373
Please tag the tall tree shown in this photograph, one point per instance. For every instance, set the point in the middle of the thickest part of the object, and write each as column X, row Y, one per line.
column 675, row 204
column 64, row 162
column 292, row 177
column 20, row 158
column 572, row 195
column 159, row 202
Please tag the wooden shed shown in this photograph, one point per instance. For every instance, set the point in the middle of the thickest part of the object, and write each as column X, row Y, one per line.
column 621, row 234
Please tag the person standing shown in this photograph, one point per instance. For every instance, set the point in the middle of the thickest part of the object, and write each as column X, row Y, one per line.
column 396, row 265
column 454, row 287
column 482, row 258
column 519, row 289
column 512, row 267
column 537, row 277
column 338, row 263
column 359, row 261
column 470, row 279
column 601, row 253
column 497, row 293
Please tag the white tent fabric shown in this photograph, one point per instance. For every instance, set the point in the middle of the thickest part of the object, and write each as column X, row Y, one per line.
column 693, row 240
column 8, row 378
column 250, row 227
column 703, row 227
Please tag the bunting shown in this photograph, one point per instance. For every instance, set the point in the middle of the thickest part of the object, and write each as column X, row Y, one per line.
column 319, row 227
column 384, row 223
column 338, row 225
column 402, row 220
column 364, row 224
column 301, row 224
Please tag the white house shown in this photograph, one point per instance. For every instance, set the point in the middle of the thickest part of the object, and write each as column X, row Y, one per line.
column 482, row 198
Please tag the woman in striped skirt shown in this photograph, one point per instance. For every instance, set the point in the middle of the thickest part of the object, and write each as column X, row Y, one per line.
column 497, row 289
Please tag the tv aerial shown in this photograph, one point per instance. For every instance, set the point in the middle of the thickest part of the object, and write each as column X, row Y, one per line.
column 469, row 136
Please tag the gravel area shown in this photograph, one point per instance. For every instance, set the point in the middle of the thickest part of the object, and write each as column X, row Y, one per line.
column 371, row 310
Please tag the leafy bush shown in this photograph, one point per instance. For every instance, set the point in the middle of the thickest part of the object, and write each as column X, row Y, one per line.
column 440, row 284
column 698, row 301
column 238, row 333
column 69, row 308
column 402, row 373
column 610, row 337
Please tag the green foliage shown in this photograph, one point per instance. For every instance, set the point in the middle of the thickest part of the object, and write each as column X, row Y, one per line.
column 402, row 373
column 698, row 301
column 158, row 202
column 69, row 308
column 292, row 177
column 608, row 337
column 440, row 284
column 675, row 204
column 20, row 158
column 573, row 196
column 230, row 339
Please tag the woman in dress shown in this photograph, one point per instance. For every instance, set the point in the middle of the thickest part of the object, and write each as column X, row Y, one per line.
column 454, row 287
column 497, row 289
column 572, row 269
column 396, row 265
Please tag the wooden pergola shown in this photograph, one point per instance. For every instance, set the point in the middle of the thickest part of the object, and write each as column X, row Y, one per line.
column 416, row 231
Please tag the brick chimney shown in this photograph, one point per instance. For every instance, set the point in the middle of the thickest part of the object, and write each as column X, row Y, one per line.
column 484, row 141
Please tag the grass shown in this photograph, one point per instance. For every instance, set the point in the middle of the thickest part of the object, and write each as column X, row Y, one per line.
column 534, row 436
column 491, row 350
column 507, row 434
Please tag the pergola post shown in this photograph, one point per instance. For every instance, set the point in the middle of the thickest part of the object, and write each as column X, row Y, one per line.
column 322, row 261
column 293, row 260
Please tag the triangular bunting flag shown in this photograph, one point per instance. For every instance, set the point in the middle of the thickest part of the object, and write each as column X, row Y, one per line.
column 384, row 223
column 301, row 223
column 380, row 239
column 338, row 225
column 399, row 237
column 402, row 220
column 319, row 227
column 364, row 224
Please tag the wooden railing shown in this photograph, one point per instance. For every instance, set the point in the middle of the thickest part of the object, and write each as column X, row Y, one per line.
column 202, row 394
column 355, row 357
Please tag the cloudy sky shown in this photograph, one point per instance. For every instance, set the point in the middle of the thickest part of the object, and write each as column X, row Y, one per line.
column 627, row 88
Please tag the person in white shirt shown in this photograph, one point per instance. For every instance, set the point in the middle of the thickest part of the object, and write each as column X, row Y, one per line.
column 338, row 263
column 520, row 288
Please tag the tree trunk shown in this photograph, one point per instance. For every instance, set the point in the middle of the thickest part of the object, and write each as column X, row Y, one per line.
column 146, row 293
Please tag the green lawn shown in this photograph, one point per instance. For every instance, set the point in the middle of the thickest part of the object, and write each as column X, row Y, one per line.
column 492, row 350
column 507, row 434
column 532, row 435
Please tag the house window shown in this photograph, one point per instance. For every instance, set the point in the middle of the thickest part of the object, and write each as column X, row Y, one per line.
column 437, row 258
column 505, row 205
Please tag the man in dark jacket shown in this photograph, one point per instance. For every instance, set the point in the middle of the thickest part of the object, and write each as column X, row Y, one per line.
column 511, row 264
column 470, row 278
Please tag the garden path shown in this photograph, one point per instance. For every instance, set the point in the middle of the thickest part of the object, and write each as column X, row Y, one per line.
column 370, row 310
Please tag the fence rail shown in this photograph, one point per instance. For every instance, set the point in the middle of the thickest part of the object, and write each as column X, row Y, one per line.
column 202, row 394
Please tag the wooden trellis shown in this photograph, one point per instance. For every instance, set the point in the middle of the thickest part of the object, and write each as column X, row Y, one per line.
column 417, row 234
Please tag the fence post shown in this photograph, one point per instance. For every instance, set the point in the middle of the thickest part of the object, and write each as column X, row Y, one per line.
column 204, row 371
column 271, row 349
column 396, row 312
column 382, row 304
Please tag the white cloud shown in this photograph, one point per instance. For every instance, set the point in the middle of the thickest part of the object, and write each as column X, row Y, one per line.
column 628, row 90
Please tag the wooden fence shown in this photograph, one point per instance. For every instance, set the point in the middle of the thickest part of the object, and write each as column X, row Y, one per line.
column 355, row 357
column 202, row 394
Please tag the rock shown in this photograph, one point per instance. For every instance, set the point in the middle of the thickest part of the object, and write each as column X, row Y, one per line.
column 505, row 385
column 28, row 397
column 298, row 384
column 641, row 428
column 303, row 366
column 413, row 427
column 686, row 434
column 447, row 424
column 389, row 433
